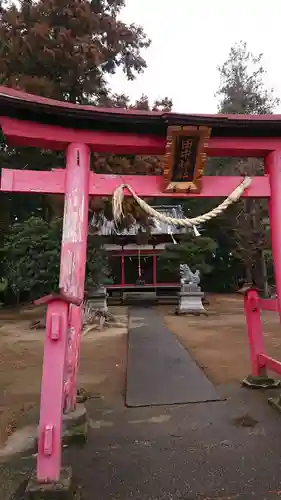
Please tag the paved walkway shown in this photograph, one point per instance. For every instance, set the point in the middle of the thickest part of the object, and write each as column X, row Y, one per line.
column 160, row 370
column 229, row 449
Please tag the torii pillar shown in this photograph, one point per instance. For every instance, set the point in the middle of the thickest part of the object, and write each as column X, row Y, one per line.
column 64, row 321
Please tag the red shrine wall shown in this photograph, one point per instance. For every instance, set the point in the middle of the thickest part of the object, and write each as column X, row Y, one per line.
column 124, row 267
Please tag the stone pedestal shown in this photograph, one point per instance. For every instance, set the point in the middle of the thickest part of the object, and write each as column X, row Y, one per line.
column 64, row 489
column 190, row 300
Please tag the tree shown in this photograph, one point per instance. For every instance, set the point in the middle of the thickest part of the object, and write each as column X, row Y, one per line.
column 97, row 268
column 192, row 250
column 149, row 165
column 242, row 90
column 64, row 49
column 31, row 259
column 241, row 232
column 225, row 266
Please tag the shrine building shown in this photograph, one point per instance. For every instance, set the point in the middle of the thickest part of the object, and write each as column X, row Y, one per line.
column 133, row 265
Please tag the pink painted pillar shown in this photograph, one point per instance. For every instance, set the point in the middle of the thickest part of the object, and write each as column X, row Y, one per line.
column 52, row 392
column 75, row 222
column 273, row 168
column 63, row 325
column 122, row 270
column 154, row 269
column 73, row 256
column 73, row 356
column 254, row 328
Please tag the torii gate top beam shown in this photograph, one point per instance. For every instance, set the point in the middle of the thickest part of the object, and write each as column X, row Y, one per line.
column 24, row 106
column 24, row 132
column 40, row 122
column 29, row 120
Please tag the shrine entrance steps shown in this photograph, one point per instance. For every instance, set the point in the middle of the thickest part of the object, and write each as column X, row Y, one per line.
column 160, row 371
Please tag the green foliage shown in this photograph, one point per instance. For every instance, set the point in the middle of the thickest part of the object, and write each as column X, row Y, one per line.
column 3, row 285
column 192, row 250
column 242, row 89
column 97, row 269
column 31, row 259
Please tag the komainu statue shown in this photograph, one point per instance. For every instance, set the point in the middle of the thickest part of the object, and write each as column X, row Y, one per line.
column 188, row 277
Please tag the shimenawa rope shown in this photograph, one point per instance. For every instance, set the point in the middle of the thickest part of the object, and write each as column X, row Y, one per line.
column 118, row 197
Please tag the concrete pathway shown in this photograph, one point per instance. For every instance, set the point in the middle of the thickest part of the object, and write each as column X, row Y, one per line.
column 160, row 370
column 228, row 449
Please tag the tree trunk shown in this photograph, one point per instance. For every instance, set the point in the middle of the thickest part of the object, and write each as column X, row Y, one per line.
column 265, row 275
column 249, row 273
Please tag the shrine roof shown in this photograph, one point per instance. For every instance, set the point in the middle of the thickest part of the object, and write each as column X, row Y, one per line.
column 21, row 105
column 104, row 227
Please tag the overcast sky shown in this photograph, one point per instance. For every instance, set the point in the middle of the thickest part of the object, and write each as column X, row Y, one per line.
column 191, row 38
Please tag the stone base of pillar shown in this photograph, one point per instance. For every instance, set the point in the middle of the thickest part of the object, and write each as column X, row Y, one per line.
column 64, row 489
column 24, row 441
column 75, row 426
column 190, row 301
column 260, row 382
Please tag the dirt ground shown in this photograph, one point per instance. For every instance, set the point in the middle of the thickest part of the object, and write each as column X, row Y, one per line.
column 219, row 342
column 102, row 368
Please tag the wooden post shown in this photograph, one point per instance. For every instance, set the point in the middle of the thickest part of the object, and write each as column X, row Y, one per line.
column 122, row 270
column 73, row 255
column 52, row 392
column 273, row 168
column 63, row 325
column 254, row 327
column 73, row 355
column 154, row 270
column 75, row 222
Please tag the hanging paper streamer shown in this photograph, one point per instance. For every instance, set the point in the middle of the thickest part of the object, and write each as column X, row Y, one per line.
column 139, row 265
column 172, row 236
column 196, row 232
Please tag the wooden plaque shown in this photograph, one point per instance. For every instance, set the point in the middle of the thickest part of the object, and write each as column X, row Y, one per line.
column 185, row 158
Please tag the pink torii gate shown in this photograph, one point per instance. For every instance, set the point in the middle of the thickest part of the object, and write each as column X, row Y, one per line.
column 28, row 120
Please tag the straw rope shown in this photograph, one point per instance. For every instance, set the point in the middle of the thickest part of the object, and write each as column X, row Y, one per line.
column 118, row 197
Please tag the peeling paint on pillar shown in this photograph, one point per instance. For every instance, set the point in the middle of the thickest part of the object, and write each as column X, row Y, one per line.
column 72, row 226
column 75, row 222
column 73, row 257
